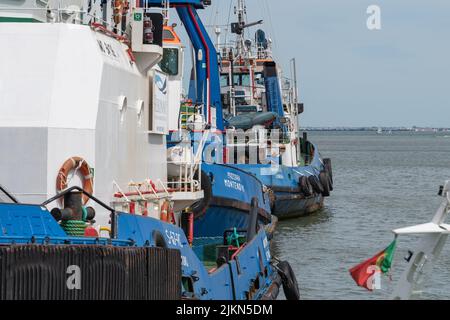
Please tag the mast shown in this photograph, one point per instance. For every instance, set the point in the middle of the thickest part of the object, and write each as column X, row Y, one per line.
column 241, row 14
column 294, row 72
column 238, row 28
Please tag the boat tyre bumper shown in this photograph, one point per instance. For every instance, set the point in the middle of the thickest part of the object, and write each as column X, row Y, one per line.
column 324, row 179
column 305, row 187
column 289, row 281
column 329, row 170
column 199, row 208
column 316, row 184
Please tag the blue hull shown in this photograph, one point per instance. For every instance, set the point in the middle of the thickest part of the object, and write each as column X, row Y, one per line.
column 22, row 225
column 284, row 181
column 218, row 284
column 218, row 219
column 228, row 193
column 229, row 206
column 288, row 205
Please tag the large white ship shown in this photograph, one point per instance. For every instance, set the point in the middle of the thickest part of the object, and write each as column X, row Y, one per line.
column 77, row 85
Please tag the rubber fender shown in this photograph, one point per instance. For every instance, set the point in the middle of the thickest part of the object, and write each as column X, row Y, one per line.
column 315, row 182
column 325, row 181
column 329, row 169
column 305, row 186
column 253, row 220
column 289, row 281
column 199, row 208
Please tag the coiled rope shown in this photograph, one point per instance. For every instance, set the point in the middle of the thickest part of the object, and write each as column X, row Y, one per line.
column 74, row 228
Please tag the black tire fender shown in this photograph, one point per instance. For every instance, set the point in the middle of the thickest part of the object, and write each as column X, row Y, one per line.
column 329, row 170
column 199, row 208
column 315, row 182
column 325, row 181
column 289, row 281
column 305, row 186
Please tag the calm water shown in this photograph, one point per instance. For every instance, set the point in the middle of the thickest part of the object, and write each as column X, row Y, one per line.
column 381, row 182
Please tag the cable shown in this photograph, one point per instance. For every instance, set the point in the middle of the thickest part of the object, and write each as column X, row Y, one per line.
column 228, row 22
column 272, row 29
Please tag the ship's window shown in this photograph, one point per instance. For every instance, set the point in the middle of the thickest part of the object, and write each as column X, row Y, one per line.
column 224, row 80
column 169, row 63
column 259, row 78
column 242, row 80
column 236, row 80
column 168, row 35
column 245, row 80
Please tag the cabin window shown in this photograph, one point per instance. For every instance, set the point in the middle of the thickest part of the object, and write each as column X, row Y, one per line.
column 169, row 62
column 242, row 80
column 168, row 35
column 259, row 78
column 245, row 80
column 224, row 80
column 236, row 80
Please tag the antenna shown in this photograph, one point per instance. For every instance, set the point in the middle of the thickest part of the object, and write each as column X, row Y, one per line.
column 218, row 32
column 239, row 27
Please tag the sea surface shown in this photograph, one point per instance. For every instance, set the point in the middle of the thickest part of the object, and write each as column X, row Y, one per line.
column 382, row 182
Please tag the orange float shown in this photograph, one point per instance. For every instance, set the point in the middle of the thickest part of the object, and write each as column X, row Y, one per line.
column 77, row 164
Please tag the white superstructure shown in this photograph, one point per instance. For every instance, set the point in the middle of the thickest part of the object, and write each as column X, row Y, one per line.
column 71, row 86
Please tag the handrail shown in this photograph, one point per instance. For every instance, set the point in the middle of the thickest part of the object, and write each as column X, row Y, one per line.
column 110, row 33
column 58, row 10
column 9, row 195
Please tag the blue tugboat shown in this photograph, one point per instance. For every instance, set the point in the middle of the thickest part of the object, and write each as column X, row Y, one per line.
column 228, row 196
column 261, row 105
column 143, row 259
column 228, row 190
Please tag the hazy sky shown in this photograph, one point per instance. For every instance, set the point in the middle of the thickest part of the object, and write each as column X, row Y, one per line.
column 351, row 76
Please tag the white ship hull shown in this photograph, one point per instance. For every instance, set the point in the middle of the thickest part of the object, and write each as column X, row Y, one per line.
column 61, row 88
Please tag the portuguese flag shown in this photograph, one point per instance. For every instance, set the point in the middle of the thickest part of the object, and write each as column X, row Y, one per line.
column 382, row 262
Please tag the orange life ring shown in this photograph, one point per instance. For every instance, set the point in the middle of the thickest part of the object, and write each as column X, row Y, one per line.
column 76, row 163
column 120, row 9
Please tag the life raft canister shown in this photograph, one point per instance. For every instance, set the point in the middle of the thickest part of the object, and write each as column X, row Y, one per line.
column 77, row 164
column 166, row 213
